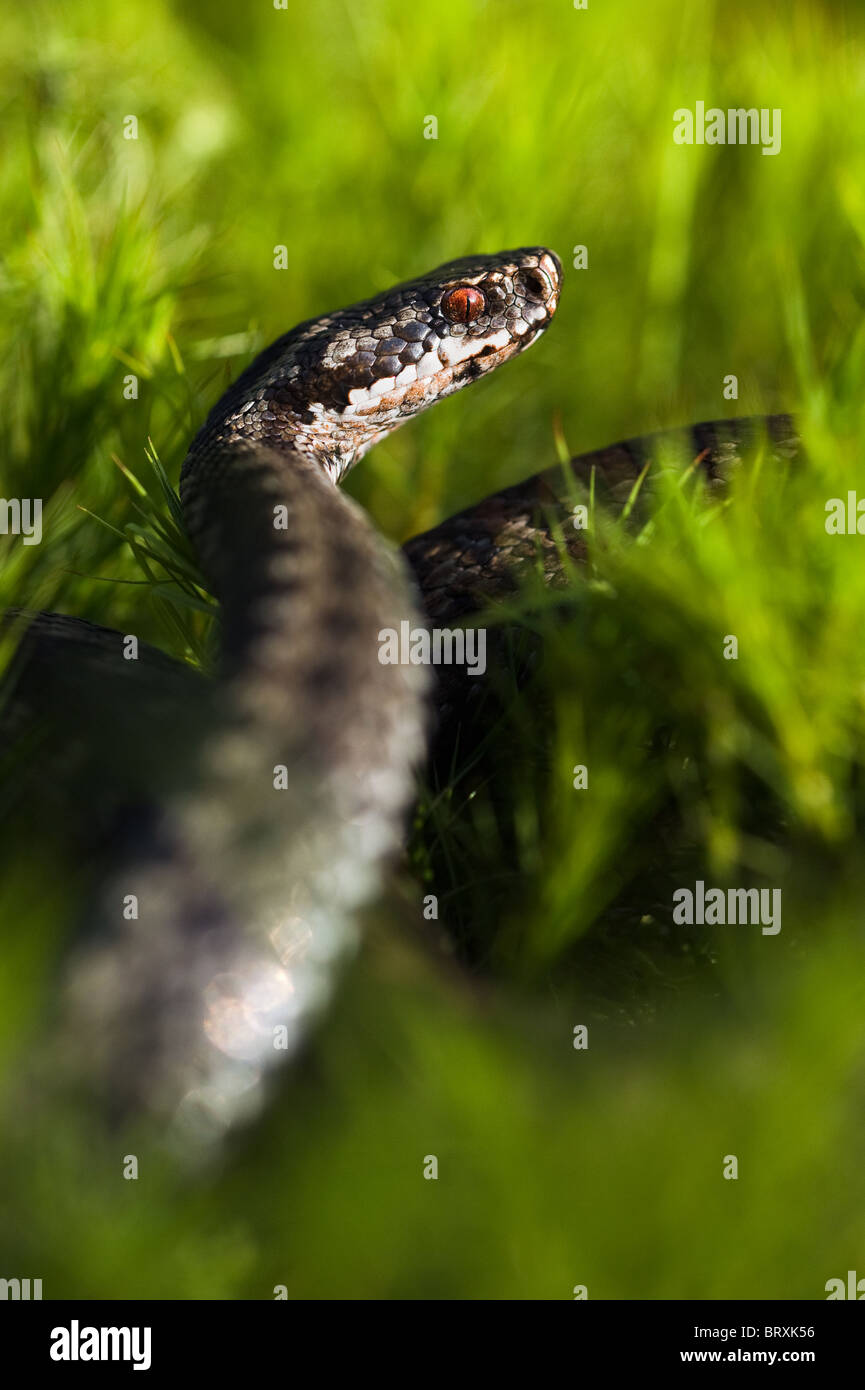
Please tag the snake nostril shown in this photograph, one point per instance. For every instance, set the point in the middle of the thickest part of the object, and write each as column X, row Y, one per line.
column 463, row 304
column 535, row 284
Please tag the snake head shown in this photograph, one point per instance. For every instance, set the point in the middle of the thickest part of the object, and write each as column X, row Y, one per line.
column 388, row 358
column 336, row 385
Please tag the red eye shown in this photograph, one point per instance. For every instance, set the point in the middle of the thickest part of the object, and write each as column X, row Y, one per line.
column 463, row 305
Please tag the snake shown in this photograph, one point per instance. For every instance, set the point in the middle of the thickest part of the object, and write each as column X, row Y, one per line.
column 283, row 785
column 217, row 932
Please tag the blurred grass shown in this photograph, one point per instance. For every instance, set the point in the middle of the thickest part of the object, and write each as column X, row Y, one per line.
column 155, row 257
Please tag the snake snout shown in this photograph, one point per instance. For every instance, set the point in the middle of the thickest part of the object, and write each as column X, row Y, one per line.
column 543, row 281
column 551, row 264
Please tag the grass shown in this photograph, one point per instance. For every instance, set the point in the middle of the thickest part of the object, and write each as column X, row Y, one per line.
column 153, row 258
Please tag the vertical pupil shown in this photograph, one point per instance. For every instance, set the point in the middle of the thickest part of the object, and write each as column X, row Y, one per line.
column 463, row 305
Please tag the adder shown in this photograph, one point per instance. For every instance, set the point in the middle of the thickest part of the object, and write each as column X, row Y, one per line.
column 276, row 795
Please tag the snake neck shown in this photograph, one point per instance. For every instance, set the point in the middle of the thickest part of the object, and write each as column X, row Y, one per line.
column 306, row 585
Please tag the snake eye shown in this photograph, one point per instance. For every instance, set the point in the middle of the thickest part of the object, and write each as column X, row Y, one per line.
column 463, row 305
column 533, row 284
